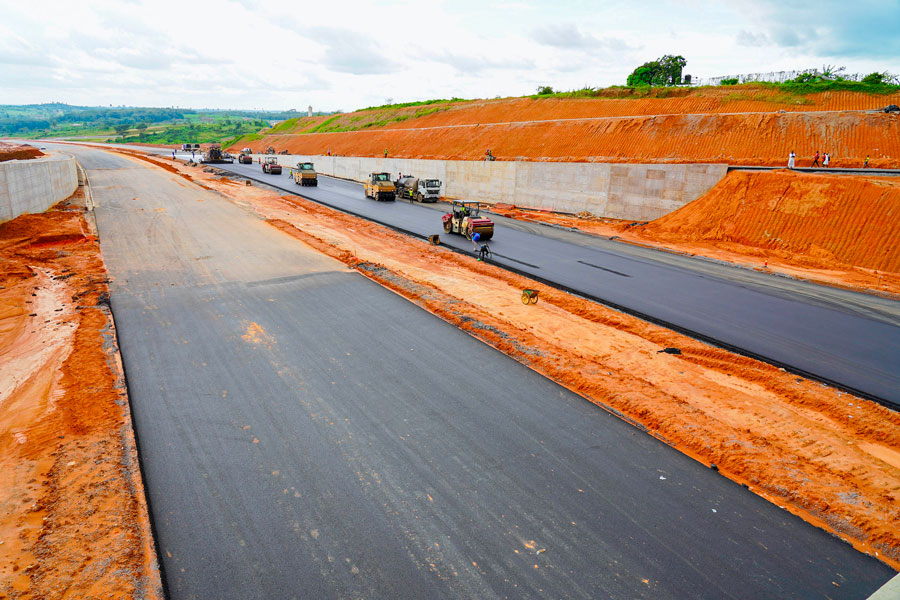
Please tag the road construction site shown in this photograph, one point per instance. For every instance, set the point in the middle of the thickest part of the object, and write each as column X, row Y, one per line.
column 326, row 404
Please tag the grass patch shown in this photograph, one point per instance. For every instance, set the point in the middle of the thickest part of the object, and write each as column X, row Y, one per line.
column 323, row 125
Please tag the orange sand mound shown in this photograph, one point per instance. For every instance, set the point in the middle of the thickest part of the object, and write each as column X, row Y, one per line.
column 831, row 220
column 823, row 454
column 739, row 139
column 10, row 151
column 73, row 519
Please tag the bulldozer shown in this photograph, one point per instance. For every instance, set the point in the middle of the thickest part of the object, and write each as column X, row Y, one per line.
column 305, row 174
column 246, row 156
column 465, row 219
column 380, row 187
column 214, row 155
column 271, row 166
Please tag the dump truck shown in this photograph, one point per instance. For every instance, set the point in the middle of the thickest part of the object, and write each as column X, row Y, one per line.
column 465, row 219
column 380, row 187
column 305, row 174
column 214, row 155
column 271, row 166
column 418, row 190
column 246, row 156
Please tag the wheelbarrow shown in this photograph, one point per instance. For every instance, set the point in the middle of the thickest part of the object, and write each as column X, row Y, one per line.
column 529, row 296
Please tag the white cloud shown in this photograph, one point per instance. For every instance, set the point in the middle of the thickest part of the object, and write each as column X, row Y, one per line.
column 354, row 53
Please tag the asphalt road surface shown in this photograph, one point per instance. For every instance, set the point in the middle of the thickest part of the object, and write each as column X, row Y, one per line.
column 848, row 339
column 305, row 433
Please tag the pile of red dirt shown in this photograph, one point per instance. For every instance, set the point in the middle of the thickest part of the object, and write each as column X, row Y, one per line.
column 824, row 220
column 9, row 151
column 73, row 518
column 738, row 139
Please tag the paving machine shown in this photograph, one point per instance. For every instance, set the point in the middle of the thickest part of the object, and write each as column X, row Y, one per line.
column 465, row 219
column 380, row 187
column 246, row 156
column 214, row 155
column 420, row 190
column 271, row 166
column 305, row 174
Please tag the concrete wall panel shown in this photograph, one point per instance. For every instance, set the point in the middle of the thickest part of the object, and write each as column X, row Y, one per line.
column 619, row 191
column 33, row 186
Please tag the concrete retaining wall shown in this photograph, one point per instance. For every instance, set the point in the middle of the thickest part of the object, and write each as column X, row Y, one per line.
column 33, row 186
column 640, row 192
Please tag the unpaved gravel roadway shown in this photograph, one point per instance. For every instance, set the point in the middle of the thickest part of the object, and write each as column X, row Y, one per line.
column 305, row 431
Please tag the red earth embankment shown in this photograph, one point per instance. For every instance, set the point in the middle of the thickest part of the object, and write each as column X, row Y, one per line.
column 738, row 139
column 73, row 518
column 826, row 221
column 658, row 101
column 10, row 151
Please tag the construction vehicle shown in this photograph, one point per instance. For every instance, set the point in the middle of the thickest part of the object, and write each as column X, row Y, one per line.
column 418, row 190
column 380, row 187
column 246, row 156
column 214, row 155
column 465, row 219
column 305, row 174
column 270, row 150
column 271, row 166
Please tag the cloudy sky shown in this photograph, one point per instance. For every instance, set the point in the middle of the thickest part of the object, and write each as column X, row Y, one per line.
column 351, row 54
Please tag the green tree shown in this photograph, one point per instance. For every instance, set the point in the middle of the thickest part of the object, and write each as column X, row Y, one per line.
column 141, row 127
column 664, row 71
column 876, row 78
column 121, row 128
column 543, row 90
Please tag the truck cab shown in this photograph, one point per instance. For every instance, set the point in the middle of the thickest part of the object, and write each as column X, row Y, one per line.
column 429, row 190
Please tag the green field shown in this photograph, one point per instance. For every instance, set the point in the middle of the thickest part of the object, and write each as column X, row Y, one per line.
column 133, row 124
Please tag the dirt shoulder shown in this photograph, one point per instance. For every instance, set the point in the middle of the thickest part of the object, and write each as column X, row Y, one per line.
column 827, row 456
column 73, row 518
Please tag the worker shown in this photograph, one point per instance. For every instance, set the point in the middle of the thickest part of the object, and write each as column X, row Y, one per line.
column 385, row 152
column 475, row 238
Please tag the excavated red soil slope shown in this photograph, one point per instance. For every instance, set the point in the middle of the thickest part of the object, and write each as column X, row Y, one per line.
column 720, row 100
column 680, row 101
column 831, row 220
column 741, row 139
column 10, row 151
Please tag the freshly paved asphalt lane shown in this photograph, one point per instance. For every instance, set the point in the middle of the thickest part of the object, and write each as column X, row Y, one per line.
column 839, row 337
column 305, row 433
